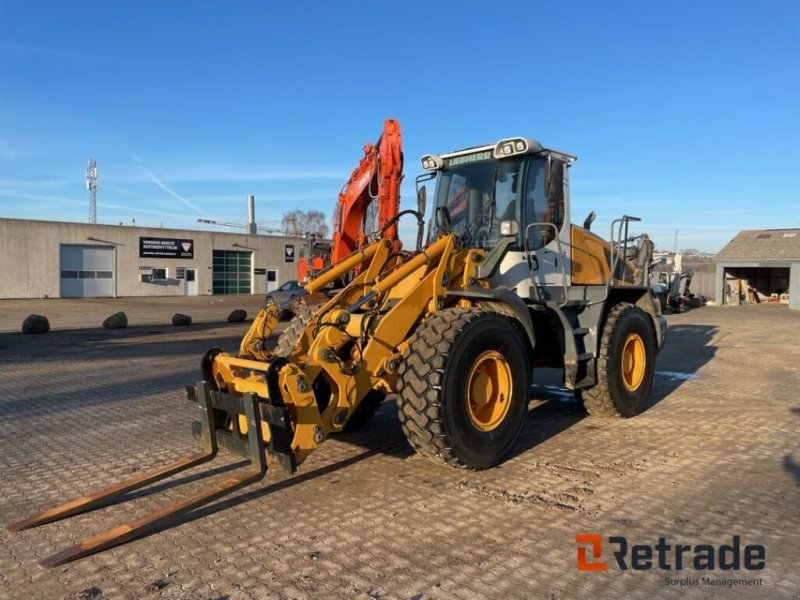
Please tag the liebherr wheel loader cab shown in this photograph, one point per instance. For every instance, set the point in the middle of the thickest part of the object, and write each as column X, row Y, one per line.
column 588, row 299
column 453, row 329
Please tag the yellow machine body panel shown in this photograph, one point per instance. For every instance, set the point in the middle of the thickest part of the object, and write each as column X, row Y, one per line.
column 590, row 257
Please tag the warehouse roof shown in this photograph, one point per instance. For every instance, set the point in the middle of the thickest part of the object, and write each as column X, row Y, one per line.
column 763, row 244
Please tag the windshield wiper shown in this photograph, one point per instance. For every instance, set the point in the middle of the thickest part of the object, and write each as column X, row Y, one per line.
column 486, row 216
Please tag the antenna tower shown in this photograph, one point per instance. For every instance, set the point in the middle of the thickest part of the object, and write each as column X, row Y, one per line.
column 91, row 186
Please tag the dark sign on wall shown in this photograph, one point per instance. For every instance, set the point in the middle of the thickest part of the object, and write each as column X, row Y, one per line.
column 288, row 253
column 180, row 273
column 258, row 271
column 165, row 248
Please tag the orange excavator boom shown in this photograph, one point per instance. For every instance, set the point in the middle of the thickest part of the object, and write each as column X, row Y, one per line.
column 377, row 178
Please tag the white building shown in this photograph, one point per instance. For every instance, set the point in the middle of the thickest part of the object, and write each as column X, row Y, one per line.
column 67, row 260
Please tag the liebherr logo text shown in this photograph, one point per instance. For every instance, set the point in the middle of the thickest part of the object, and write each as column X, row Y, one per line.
column 593, row 556
column 468, row 158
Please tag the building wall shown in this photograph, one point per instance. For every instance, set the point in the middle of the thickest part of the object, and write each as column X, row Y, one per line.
column 29, row 257
column 703, row 284
column 794, row 286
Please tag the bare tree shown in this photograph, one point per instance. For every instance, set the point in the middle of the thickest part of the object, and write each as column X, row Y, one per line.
column 305, row 222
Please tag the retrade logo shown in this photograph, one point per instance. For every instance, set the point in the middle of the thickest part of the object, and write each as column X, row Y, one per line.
column 595, row 542
column 667, row 556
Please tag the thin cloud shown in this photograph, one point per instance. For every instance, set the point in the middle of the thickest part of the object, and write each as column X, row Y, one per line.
column 43, row 198
column 213, row 174
column 138, row 160
column 38, row 184
column 172, row 193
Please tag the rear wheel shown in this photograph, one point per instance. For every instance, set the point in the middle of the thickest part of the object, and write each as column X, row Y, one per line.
column 463, row 388
column 625, row 365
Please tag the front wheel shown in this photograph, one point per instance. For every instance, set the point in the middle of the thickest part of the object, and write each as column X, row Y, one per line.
column 463, row 387
column 625, row 365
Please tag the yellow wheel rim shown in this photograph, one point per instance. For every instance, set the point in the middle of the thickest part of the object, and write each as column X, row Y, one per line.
column 633, row 362
column 489, row 387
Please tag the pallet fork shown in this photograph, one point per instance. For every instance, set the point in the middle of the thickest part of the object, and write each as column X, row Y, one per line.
column 251, row 447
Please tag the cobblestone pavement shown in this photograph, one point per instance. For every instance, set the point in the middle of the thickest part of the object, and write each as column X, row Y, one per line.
column 715, row 455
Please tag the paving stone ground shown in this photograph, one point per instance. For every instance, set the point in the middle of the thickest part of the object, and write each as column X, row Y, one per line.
column 716, row 454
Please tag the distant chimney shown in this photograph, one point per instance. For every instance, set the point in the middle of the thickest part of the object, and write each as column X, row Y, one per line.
column 251, row 215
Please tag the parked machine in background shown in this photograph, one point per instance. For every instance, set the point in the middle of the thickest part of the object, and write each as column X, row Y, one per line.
column 317, row 256
column 666, row 285
column 505, row 282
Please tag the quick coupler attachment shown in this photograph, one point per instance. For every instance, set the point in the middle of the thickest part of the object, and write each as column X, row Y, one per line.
column 255, row 452
column 227, row 408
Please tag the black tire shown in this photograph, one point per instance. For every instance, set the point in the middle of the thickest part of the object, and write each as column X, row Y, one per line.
column 433, row 381
column 610, row 397
column 364, row 411
column 295, row 329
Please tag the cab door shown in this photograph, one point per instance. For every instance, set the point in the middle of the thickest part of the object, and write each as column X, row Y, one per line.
column 546, row 232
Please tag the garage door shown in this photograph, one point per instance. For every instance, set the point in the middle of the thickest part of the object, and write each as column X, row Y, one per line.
column 232, row 272
column 86, row 271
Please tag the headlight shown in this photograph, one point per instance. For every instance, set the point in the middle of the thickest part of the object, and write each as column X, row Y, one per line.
column 515, row 146
column 431, row 162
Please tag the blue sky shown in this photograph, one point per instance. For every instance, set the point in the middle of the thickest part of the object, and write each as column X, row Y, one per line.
column 684, row 113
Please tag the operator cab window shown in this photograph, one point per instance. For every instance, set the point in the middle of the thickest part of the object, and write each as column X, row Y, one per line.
column 474, row 192
column 541, row 209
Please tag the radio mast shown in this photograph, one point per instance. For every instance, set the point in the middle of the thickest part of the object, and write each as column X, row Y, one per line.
column 91, row 186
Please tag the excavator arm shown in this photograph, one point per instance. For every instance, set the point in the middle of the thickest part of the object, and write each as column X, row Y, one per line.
column 377, row 178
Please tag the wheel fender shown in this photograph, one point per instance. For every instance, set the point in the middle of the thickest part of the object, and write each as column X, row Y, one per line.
column 507, row 298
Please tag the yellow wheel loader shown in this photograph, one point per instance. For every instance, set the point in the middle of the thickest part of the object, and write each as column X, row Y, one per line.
column 454, row 330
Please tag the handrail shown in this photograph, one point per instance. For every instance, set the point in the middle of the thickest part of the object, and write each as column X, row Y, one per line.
column 622, row 221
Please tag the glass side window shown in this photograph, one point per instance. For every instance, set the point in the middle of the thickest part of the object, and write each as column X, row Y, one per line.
column 541, row 209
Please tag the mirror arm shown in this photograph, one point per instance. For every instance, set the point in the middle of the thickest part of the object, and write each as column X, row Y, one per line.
column 587, row 223
column 492, row 260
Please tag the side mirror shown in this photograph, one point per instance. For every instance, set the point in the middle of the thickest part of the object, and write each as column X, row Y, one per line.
column 421, row 201
column 509, row 228
column 554, row 182
column 587, row 224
